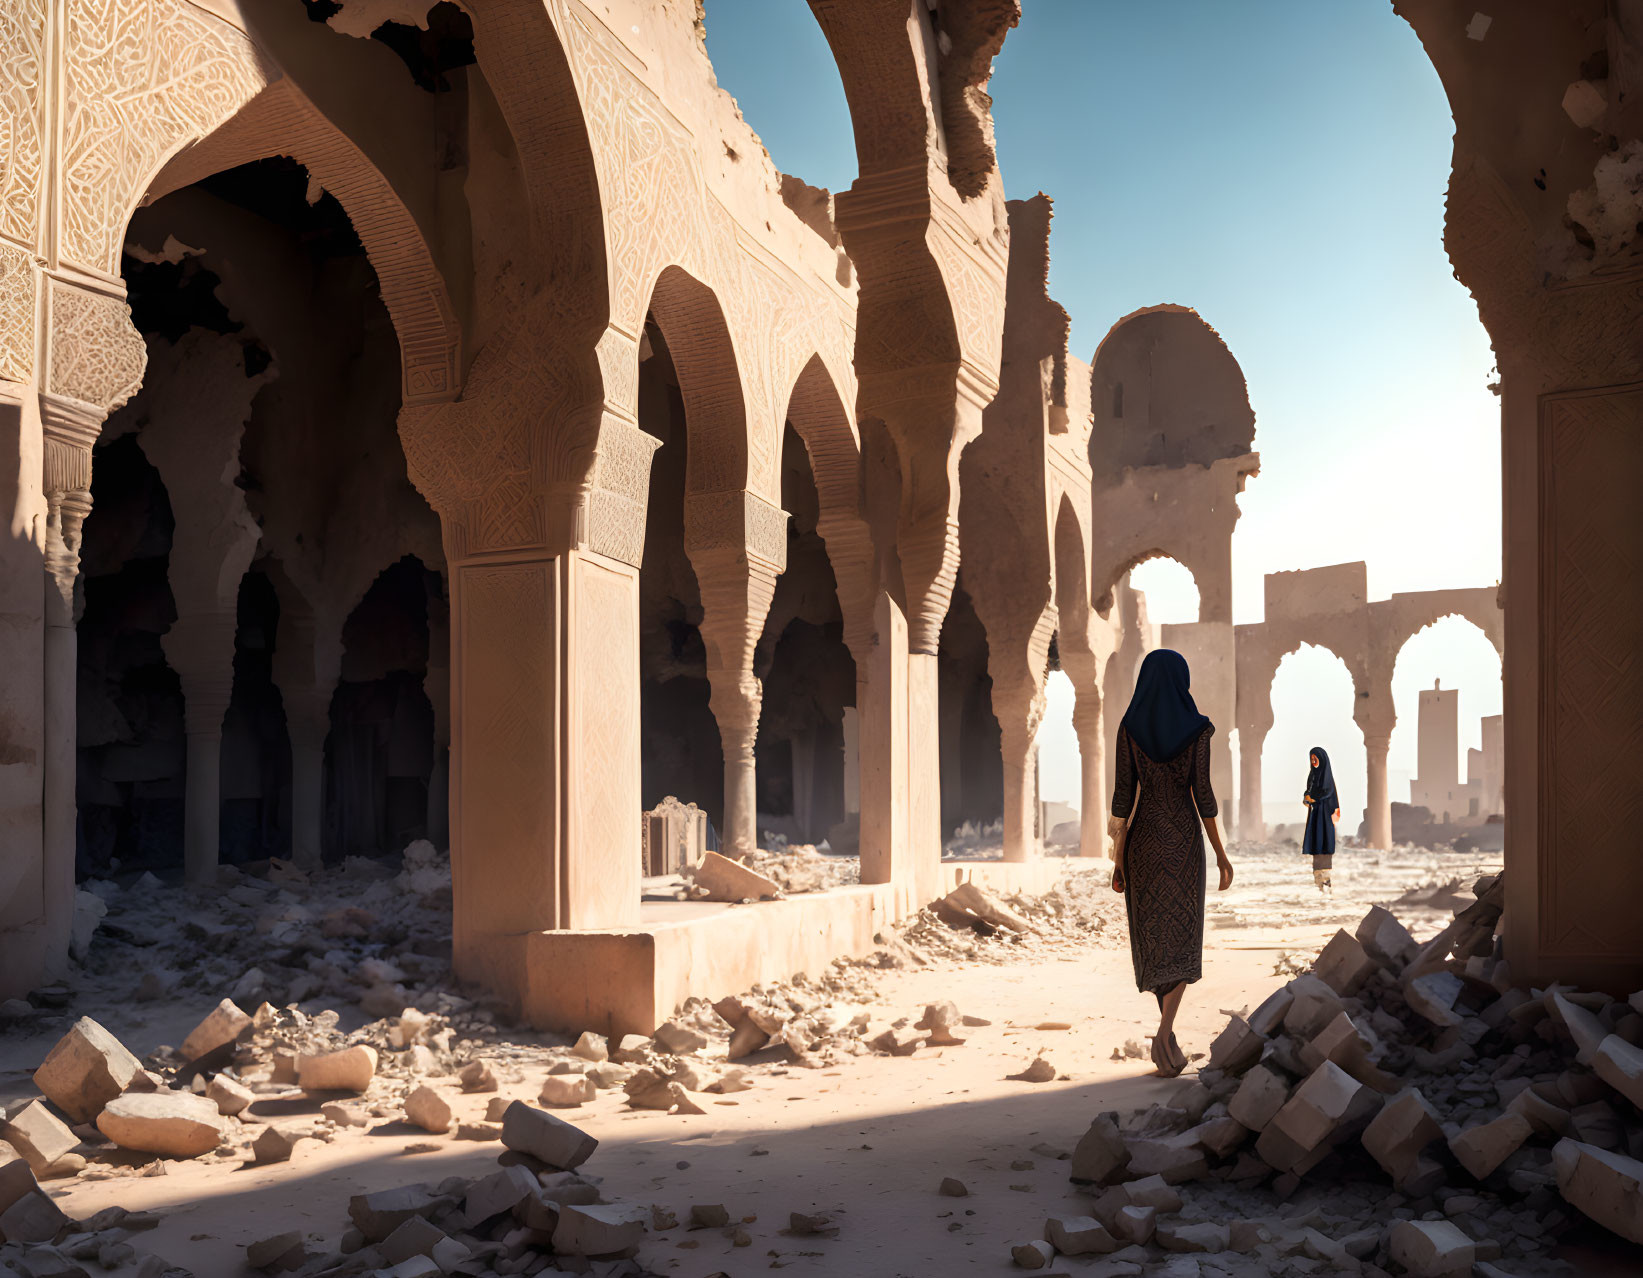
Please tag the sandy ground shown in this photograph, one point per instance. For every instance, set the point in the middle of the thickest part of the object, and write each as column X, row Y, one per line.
column 869, row 1140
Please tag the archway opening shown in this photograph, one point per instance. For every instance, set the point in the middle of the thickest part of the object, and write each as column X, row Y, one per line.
column 1446, row 764
column 1312, row 705
column 380, row 750
column 1060, row 775
column 256, row 746
column 131, row 757
column 809, row 679
column 972, row 743
column 1170, row 588
column 680, row 752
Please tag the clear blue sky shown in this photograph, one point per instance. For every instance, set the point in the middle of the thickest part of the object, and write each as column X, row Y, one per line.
column 1280, row 165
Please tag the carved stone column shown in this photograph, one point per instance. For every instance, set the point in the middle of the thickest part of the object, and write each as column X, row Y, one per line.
column 70, row 428
column 437, row 685
column 200, row 648
column 1017, row 663
column 1092, row 767
column 542, row 507
column 737, row 543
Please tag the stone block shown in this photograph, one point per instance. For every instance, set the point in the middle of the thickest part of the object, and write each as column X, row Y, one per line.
column 1314, row 1006
column 1349, row 1046
column 39, row 1136
column 542, row 1135
column 940, row 1020
column 275, row 1144
column 1587, row 1030
column 1219, row 1136
column 1236, row 1048
column 224, row 1024
column 499, row 1192
column 416, row 1237
column 1431, row 1249
column 1327, row 1107
column 1546, row 1118
column 1175, row 1158
column 277, row 1252
column 1079, row 1236
column 1620, row 1065
column 1266, row 1018
column 592, row 1047
column 378, row 1215
column 1344, row 965
column 631, row 1049
column 229, row 1096
column 599, row 1230
column 1385, row 939
column 1135, row 1225
column 1204, row 1236
column 726, row 880
column 566, row 1090
column 1100, row 1156
column 1605, row 1186
column 1432, row 998
column 1258, row 1098
column 86, row 1069
column 427, row 1109
column 1483, row 1147
column 32, row 1218
column 172, row 1124
column 680, row 1039
column 477, row 1076
column 16, row 1177
column 350, row 1070
column 1032, row 1255
column 1152, row 1191
column 1395, row 1137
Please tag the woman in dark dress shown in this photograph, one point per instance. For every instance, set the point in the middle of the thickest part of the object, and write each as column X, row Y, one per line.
column 1323, row 814
column 1158, row 842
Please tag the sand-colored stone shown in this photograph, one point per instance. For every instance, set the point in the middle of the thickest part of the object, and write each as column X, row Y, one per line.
column 224, row 1024
column 85, row 1070
column 348, row 1070
column 173, row 1124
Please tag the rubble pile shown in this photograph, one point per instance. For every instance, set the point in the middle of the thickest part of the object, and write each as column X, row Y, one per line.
column 1079, row 911
column 1399, row 1108
column 537, row 1213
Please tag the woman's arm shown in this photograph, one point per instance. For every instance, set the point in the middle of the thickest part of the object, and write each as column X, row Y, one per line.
column 1337, row 816
column 1212, row 827
column 1116, row 827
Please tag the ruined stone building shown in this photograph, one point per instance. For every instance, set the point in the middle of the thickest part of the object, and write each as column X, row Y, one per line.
column 443, row 420
column 1437, row 784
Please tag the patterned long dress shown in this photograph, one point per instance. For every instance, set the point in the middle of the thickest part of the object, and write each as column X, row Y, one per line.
column 1164, row 859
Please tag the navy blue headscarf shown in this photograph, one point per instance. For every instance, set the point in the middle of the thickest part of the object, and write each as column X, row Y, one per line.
column 1320, row 784
column 1163, row 718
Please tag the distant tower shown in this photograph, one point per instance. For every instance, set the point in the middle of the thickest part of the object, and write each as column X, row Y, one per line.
column 1438, row 761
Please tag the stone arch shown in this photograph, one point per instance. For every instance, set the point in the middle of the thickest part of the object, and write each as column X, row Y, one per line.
column 281, row 121
column 1071, row 559
column 819, row 415
column 716, row 411
column 1121, row 568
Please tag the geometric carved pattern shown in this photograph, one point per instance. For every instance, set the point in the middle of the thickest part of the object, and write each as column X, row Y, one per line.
column 17, row 293
column 22, row 40
column 621, row 486
column 738, row 520
column 142, row 77
column 97, row 355
column 1591, row 571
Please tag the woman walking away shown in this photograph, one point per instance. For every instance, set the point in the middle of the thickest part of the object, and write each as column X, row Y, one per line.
column 1323, row 814
column 1158, row 846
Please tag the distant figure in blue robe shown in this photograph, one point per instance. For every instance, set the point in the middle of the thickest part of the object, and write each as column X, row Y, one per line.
column 1323, row 814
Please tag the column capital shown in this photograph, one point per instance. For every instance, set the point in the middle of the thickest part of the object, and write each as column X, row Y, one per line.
column 69, row 428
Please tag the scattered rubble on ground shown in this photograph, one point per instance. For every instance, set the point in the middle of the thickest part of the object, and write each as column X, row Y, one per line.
column 1400, row 1108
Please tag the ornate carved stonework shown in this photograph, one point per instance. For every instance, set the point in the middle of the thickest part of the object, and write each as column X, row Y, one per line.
column 17, row 306
column 621, row 487
column 22, row 47
column 142, row 77
column 70, row 429
column 97, row 355
column 737, row 520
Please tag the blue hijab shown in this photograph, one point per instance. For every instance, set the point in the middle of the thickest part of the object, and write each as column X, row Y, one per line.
column 1163, row 719
column 1320, row 784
